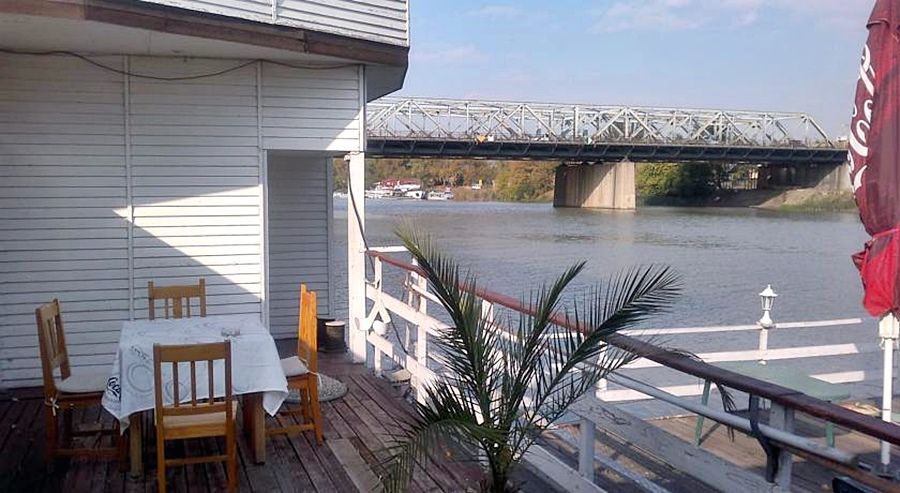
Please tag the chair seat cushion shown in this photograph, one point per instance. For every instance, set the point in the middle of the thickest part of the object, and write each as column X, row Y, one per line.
column 293, row 367
column 83, row 383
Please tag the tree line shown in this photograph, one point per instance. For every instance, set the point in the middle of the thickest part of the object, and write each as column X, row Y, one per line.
column 529, row 181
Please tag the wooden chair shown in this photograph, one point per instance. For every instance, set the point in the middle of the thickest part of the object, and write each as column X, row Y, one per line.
column 67, row 391
column 198, row 417
column 179, row 297
column 301, row 371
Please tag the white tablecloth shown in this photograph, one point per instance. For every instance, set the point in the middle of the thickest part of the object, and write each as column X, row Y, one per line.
column 256, row 366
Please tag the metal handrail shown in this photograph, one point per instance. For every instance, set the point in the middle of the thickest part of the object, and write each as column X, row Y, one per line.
column 833, row 413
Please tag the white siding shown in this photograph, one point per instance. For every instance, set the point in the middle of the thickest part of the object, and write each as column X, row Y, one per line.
column 383, row 21
column 77, row 150
column 299, row 221
column 195, row 172
column 63, row 232
column 311, row 109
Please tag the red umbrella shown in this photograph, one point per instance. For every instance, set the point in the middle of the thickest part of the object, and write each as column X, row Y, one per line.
column 875, row 173
column 875, row 159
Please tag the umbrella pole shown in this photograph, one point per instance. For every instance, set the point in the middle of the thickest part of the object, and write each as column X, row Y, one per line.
column 888, row 331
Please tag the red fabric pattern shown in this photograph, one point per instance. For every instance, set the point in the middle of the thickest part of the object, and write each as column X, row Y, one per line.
column 875, row 159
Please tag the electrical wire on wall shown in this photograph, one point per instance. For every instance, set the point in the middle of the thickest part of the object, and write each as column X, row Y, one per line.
column 233, row 68
column 129, row 73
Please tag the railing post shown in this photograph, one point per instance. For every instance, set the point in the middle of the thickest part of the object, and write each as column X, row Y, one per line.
column 763, row 344
column 603, row 383
column 782, row 418
column 377, row 355
column 356, row 255
column 586, row 448
column 421, row 335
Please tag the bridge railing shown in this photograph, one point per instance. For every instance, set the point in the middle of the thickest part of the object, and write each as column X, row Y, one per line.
column 446, row 119
column 402, row 296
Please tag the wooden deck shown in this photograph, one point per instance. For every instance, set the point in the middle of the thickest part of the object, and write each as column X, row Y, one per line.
column 356, row 428
column 746, row 452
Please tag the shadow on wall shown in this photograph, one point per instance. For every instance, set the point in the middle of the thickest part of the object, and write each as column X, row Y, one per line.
column 177, row 239
column 194, row 179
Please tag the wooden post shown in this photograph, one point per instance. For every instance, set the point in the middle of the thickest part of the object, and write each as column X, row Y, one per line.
column 782, row 418
column 356, row 256
column 421, row 337
column 586, row 448
column 377, row 354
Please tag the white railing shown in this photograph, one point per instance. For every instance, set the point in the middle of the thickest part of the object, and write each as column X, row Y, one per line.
column 399, row 327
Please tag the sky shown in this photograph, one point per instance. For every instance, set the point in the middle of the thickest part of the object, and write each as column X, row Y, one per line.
column 778, row 55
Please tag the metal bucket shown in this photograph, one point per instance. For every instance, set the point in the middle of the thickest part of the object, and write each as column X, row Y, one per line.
column 330, row 335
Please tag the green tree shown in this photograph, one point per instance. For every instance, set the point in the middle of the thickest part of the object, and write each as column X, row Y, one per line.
column 524, row 181
column 501, row 388
column 655, row 181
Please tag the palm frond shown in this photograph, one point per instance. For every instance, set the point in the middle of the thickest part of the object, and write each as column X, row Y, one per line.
column 500, row 387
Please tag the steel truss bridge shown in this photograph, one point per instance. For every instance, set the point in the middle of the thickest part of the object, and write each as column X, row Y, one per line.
column 593, row 133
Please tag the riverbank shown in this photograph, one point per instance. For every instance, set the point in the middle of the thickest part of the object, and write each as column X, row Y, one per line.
column 787, row 200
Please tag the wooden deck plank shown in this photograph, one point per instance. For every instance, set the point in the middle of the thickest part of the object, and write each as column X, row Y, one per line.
column 308, row 453
column 386, row 397
column 362, row 421
column 377, row 439
column 392, row 428
column 361, row 475
column 21, row 446
column 282, row 459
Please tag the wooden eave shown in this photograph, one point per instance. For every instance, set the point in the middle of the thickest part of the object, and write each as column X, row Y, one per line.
column 210, row 26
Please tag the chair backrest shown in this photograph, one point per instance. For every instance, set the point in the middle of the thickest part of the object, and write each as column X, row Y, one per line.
column 52, row 342
column 179, row 297
column 192, row 354
column 306, row 329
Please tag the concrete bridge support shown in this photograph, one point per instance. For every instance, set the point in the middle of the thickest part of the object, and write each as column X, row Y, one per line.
column 602, row 186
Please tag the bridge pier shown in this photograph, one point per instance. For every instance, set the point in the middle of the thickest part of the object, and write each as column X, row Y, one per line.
column 602, row 186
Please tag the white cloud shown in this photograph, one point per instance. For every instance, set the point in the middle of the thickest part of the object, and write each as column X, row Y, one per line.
column 647, row 14
column 455, row 55
column 671, row 15
column 496, row 10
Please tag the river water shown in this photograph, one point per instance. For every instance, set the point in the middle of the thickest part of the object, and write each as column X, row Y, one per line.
column 725, row 256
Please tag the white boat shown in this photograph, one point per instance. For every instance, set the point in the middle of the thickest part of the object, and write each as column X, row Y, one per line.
column 440, row 195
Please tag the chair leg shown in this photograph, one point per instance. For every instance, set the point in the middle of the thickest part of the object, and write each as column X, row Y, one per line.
column 231, row 452
column 52, row 435
column 313, row 399
column 160, row 461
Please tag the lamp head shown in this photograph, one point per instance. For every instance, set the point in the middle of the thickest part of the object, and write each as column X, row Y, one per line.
column 767, row 297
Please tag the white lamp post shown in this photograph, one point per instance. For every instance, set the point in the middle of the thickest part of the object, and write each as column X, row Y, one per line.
column 767, row 298
column 889, row 331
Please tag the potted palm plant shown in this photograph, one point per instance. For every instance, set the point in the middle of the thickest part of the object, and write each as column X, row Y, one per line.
column 502, row 384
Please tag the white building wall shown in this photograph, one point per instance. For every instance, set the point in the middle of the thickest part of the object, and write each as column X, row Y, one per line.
column 195, row 168
column 63, row 232
column 383, row 21
column 311, row 109
column 299, row 231
column 79, row 144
